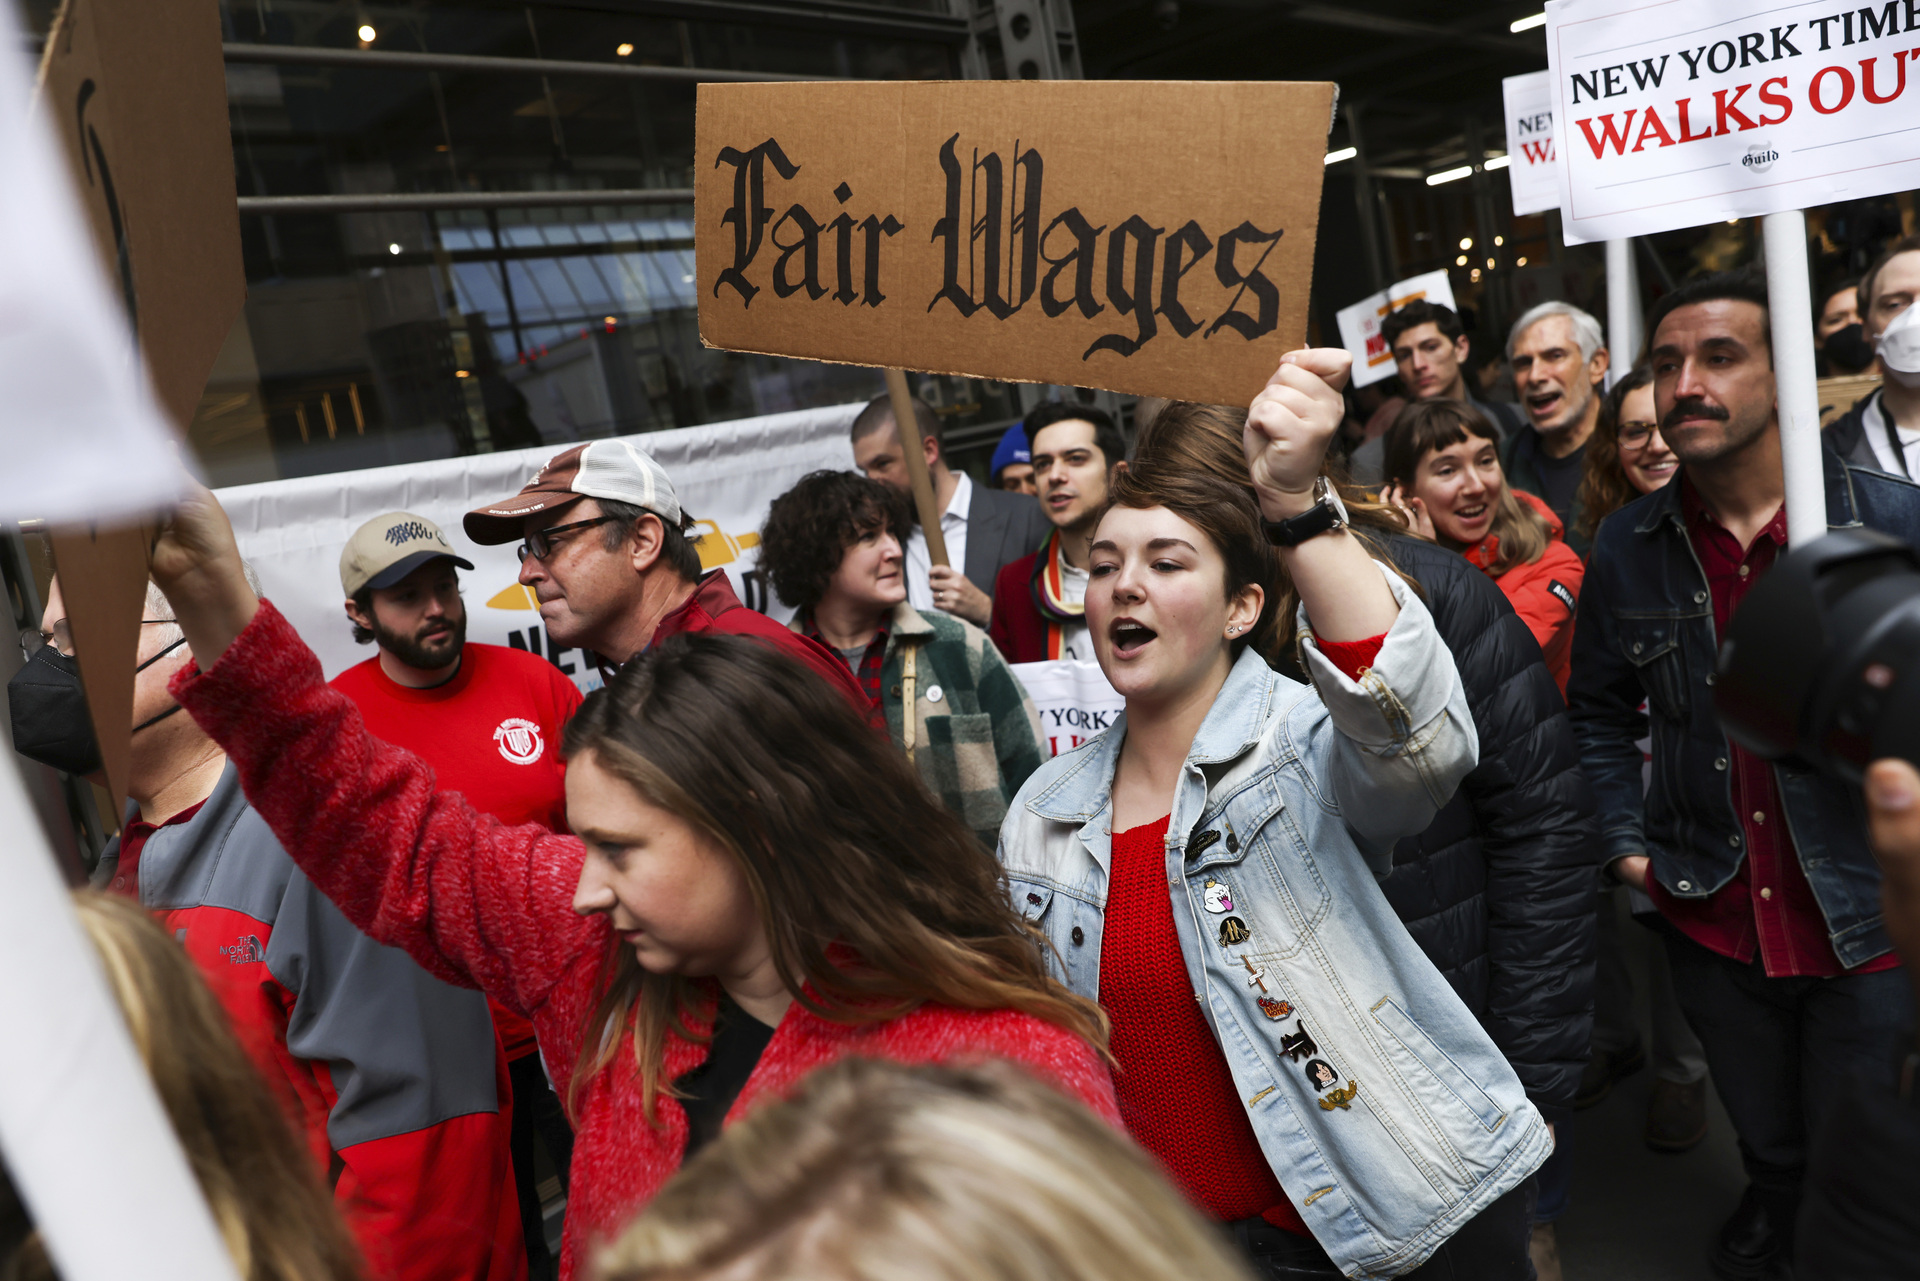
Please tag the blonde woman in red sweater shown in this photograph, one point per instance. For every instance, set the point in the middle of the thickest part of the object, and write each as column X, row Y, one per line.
column 758, row 885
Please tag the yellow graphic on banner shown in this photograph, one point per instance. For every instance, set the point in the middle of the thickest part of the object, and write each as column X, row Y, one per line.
column 716, row 546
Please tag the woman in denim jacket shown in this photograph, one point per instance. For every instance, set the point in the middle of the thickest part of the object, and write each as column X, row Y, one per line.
column 1324, row 1091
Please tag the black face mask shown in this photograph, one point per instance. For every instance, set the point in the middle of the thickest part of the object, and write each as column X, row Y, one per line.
column 1847, row 348
column 49, row 707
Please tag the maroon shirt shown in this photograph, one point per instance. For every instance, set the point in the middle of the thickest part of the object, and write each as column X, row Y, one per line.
column 133, row 840
column 714, row 608
column 1768, row 906
column 872, row 658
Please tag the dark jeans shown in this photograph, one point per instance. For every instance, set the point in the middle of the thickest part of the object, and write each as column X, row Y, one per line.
column 1491, row 1246
column 1781, row 1050
column 536, row 1117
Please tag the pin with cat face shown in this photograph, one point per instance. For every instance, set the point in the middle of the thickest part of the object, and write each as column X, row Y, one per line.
column 1216, row 896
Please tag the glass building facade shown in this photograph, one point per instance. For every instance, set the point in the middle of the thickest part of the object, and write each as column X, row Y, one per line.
column 467, row 226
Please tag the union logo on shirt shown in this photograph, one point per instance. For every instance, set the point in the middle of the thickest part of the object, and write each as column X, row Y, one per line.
column 519, row 740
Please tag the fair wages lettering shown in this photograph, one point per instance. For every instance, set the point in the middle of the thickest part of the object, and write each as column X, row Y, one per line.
column 990, row 228
column 1678, row 113
column 992, row 253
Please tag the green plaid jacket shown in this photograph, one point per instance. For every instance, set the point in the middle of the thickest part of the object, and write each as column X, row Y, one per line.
column 975, row 744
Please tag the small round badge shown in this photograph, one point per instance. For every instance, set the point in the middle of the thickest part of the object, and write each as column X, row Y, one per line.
column 933, row 694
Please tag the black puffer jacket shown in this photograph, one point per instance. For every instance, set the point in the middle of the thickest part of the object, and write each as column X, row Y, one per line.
column 1499, row 890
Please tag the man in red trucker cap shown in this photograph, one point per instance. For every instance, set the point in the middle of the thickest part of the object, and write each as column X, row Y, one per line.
column 604, row 546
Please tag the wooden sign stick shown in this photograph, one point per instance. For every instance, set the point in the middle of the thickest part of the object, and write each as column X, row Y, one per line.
column 915, row 454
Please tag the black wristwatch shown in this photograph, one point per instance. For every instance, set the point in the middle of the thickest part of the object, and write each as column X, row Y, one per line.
column 1327, row 514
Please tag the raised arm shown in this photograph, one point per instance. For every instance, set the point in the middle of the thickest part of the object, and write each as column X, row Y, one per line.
column 1289, row 426
column 471, row 900
column 1402, row 735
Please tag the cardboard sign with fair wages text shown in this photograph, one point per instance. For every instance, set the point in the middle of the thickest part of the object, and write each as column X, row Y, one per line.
column 1146, row 237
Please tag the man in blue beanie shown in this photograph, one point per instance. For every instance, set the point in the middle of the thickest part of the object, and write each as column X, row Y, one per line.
column 1012, row 466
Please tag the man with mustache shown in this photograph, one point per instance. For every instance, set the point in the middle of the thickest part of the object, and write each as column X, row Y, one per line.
column 488, row 719
column 1762, row 870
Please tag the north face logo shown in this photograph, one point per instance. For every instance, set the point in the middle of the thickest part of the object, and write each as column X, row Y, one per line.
column 244, row 950
column 519, row 740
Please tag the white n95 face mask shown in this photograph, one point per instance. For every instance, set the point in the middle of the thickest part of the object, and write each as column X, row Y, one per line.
column 1899, row 347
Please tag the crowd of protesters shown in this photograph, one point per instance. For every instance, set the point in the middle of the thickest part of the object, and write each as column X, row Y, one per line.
column 790, row 952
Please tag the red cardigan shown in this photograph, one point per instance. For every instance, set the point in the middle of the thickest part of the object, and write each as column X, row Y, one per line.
column 491, row 906
column 1017, row 626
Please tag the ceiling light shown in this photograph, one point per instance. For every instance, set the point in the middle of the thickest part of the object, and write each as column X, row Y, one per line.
column 1499, row 240
column 1476, row 273
column 1345, row 153
column 624, row 51
column 1527, row 24
column 1519, row 262
column 393, row 249
column 366, row 33
column 1489, row 264
column 1461, row 261
column 1449, row 175
column 1497, row 162
column 1466, row 242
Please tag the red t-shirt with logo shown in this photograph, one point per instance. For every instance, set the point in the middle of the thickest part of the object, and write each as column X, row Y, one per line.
column 492, row 734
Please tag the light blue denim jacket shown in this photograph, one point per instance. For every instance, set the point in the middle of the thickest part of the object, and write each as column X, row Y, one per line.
column 1385, row 1110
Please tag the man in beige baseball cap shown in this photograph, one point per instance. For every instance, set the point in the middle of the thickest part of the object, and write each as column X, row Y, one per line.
column 604, row 548
column 398, row 575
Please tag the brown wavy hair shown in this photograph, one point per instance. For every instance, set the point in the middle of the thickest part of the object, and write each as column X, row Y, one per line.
column 1427, row 425
column 1604, row 487
column 1205, row 440
column 1229, row 518
column 272, row 1211
column 875, row 898
column 810, row 527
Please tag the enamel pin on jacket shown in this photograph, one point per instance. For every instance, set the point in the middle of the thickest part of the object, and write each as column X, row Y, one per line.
column 1384, row 1109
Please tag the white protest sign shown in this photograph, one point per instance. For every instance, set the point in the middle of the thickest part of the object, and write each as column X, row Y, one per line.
column 1360, row 323
column 1073, row 698
column 1687, row 112
column 726, row 474
column 1533, row 170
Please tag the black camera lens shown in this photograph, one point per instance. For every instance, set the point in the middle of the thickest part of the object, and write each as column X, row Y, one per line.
column 1822, row 660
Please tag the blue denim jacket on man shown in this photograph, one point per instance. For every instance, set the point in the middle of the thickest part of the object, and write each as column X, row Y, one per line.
column 1646, row 634
column 1384, row 1109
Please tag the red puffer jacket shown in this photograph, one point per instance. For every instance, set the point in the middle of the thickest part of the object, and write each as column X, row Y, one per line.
column 491, row 906
column 1544, row 593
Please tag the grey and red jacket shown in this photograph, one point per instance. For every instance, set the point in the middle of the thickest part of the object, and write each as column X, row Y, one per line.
column 394, row 1075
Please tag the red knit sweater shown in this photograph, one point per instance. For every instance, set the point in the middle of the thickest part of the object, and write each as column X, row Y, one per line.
column 486, row 905
column 1175, row 1089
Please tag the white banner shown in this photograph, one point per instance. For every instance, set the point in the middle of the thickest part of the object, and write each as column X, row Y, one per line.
column 1360, row 323
column 1074, row 700
column 1533, row 170
column 726, row 473
column 1688, row 112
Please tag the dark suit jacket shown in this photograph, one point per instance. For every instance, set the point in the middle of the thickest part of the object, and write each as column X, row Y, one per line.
column 1001, row 528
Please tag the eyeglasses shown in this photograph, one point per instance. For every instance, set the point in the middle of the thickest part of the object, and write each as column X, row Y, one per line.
column 539, row 544
column 1634, row 436
column 61, row 637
